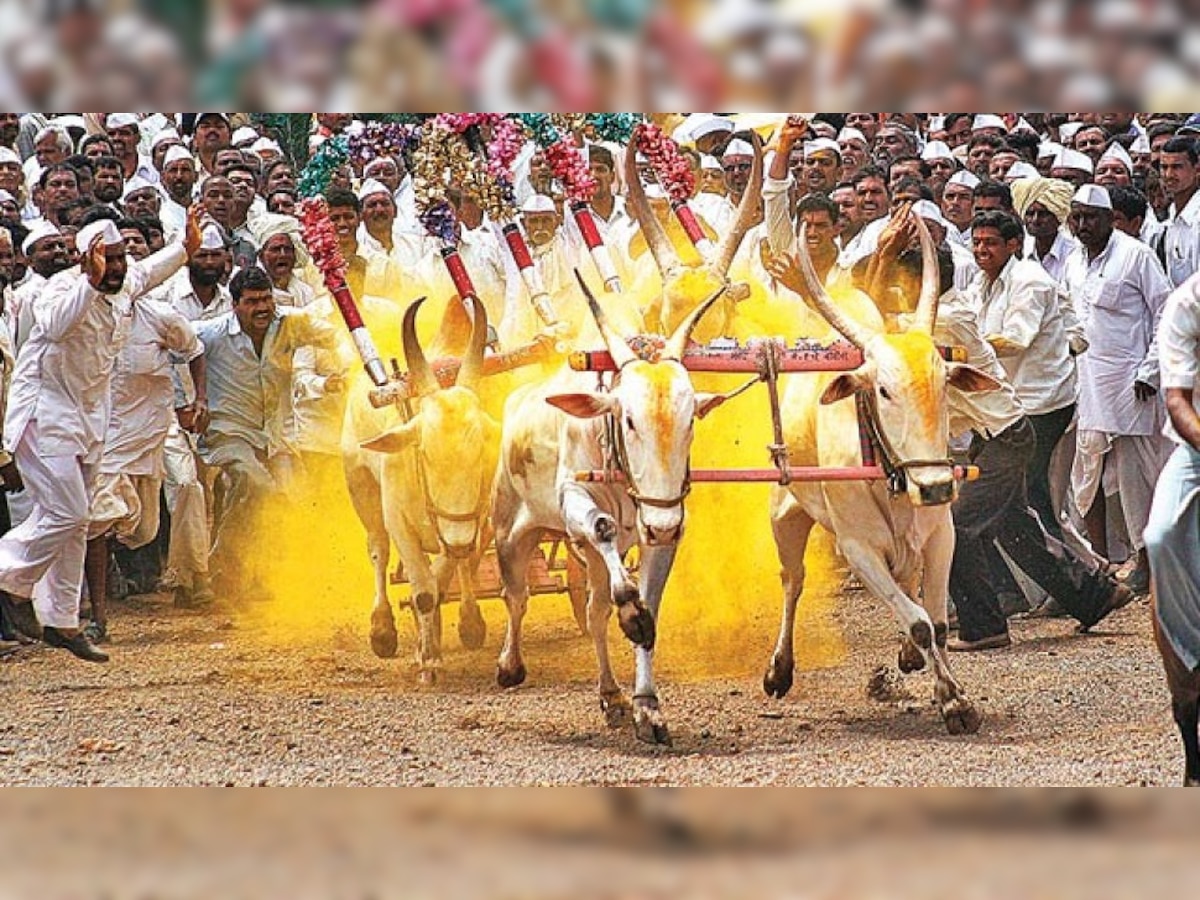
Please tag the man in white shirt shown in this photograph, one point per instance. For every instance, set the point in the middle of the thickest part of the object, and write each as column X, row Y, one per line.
column 1119, row 289
column 1179, row 166
column 56, row 422
column 1043, row 205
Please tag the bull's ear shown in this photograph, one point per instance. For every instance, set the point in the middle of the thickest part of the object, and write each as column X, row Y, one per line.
column 845, row 385
column 969, row 379
column 584, row 406
column 706, row 403
column 394, row 440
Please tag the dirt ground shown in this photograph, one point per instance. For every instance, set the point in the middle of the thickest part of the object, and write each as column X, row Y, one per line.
column 272, row 694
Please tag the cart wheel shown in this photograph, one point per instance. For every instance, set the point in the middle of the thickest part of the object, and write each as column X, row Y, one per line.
column 577, row 590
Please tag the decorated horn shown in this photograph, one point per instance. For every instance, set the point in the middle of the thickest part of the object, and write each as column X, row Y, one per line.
column 656, row 236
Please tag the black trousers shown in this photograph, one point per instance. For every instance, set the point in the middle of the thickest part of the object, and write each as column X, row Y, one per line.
column 996, row 508
column 1049, row 429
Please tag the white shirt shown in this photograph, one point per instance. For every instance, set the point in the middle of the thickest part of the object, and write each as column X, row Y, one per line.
column 1181, row 241
column 862, row 244
column 1118, row 297
column 1179, row 346
column 1021, row 305
column 142, row 391
column 1055, row 260
column 64, row 371
column 18, row 311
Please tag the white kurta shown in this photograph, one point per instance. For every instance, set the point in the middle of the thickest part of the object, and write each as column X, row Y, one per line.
column 1181, row 241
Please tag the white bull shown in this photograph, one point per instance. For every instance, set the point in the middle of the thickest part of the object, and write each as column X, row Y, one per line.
column 895, row 541
column 423, row 485
column 643, row 426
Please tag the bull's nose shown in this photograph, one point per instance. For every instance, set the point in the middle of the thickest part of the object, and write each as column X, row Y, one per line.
column 936, row 494
column 658, row 537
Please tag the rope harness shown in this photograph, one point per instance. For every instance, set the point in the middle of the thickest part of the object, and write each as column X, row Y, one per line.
column 895, row 468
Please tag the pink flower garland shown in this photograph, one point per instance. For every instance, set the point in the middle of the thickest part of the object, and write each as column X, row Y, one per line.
column 570, row 167
column 672, row 168
column 320, row 237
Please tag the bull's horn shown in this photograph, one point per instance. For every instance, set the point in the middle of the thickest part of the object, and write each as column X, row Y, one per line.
column 746, row 214
column 851, row 330
column 618, row 347
column 414, row 357
column 927, row 307
column 472, row 365
column 657, row 240
column 678, row 342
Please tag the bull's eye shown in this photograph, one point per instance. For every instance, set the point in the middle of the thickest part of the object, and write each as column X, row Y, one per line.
column 883, row 392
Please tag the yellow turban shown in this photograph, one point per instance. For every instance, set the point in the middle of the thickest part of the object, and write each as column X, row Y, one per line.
column 1052, row 193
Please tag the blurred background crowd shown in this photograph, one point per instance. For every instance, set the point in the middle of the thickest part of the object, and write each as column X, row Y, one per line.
column 616, row 54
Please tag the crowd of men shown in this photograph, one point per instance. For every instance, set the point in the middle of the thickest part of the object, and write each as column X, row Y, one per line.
column 164, row 334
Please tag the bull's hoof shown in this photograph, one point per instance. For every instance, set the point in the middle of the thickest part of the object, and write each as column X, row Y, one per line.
column 472, row 630
column 427, row 677
column 778, row 678
column 649, row 725
column 510, row 677
column 961, row 716
column 616, row 709
column 637, row 623
column 910, row 658
column 384, row 641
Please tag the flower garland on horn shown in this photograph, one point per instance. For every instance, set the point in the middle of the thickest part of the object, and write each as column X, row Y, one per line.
column 675, row 175
column 382, row 139
column 442, row 158
column 320, row 238
column 330, row 156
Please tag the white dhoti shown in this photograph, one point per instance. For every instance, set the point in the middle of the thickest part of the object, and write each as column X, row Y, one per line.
column 43, row 557
column 1119, row 463
column 187, row 555
column 125, row 507
column 1172, row 538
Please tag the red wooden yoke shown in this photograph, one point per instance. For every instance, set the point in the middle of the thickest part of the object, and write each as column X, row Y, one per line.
column 767, row 359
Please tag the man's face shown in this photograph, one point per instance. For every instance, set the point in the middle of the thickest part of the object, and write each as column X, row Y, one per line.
column 1091, row 142
column 847, row 203
column 135, row 243
column 1156, row 145
column 959, row 133
column 1116, row 122
column 10, row 128
column 226, row 160
column 61, row 188
column 109, row 184
column 335, row 122
column 11, row 177
column 282, row 178
column 854, row 154
column 278, row 256
column 379, row 210
column 907, row 194
column 217, row 196
column 942, row 169
column 1131, row 227
column 48, row 152
column 159, row 153
column 345, row 221
column 207, row 267
column 10, row 213
column 737, row 172
column 992, row 251
column 96, row 149
column 1179, row 173
column 255, row 311
column 49, row 255
column 872, row 198
column 282, row 202
column 712, row 181
column 987, row 204
column 822, row 171
column 1001, row 162
column 115, row 266
column 1092, row 225
column 1040, row 222
column 1112, row 171
column 8, row 260
column 386, row 172
column 891, row 143
column 124, row 141
column 900, row 171
column 469, row 211
column 979, row 159
column 867, row 123
column 212, row 134
column 540, row 172
column 540, row 227
column 957, row 203
column 821, row 232
column 179, row 178
column 243, row 187
column 143, row 203
column 603, row 174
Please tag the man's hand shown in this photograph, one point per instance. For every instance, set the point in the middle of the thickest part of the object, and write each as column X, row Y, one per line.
column 1144, row 391
column 94, row 263
column 794, row 130
column 1003, row 346
column 785, row 268
column 193, row 232
column 11, row 478
column 335, row 383
column 900, row 231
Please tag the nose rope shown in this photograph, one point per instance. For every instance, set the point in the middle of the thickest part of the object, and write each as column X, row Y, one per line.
column 894, row 467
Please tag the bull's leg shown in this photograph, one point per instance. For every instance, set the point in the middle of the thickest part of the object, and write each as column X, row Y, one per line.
column 513, row 552
column 959, row 713
column 869, row 565
column 910, row 658
column 426, row 607
column 588, row 524
column 613, row 703
column 791, row 527
column 366, row 498
column 649, row 724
